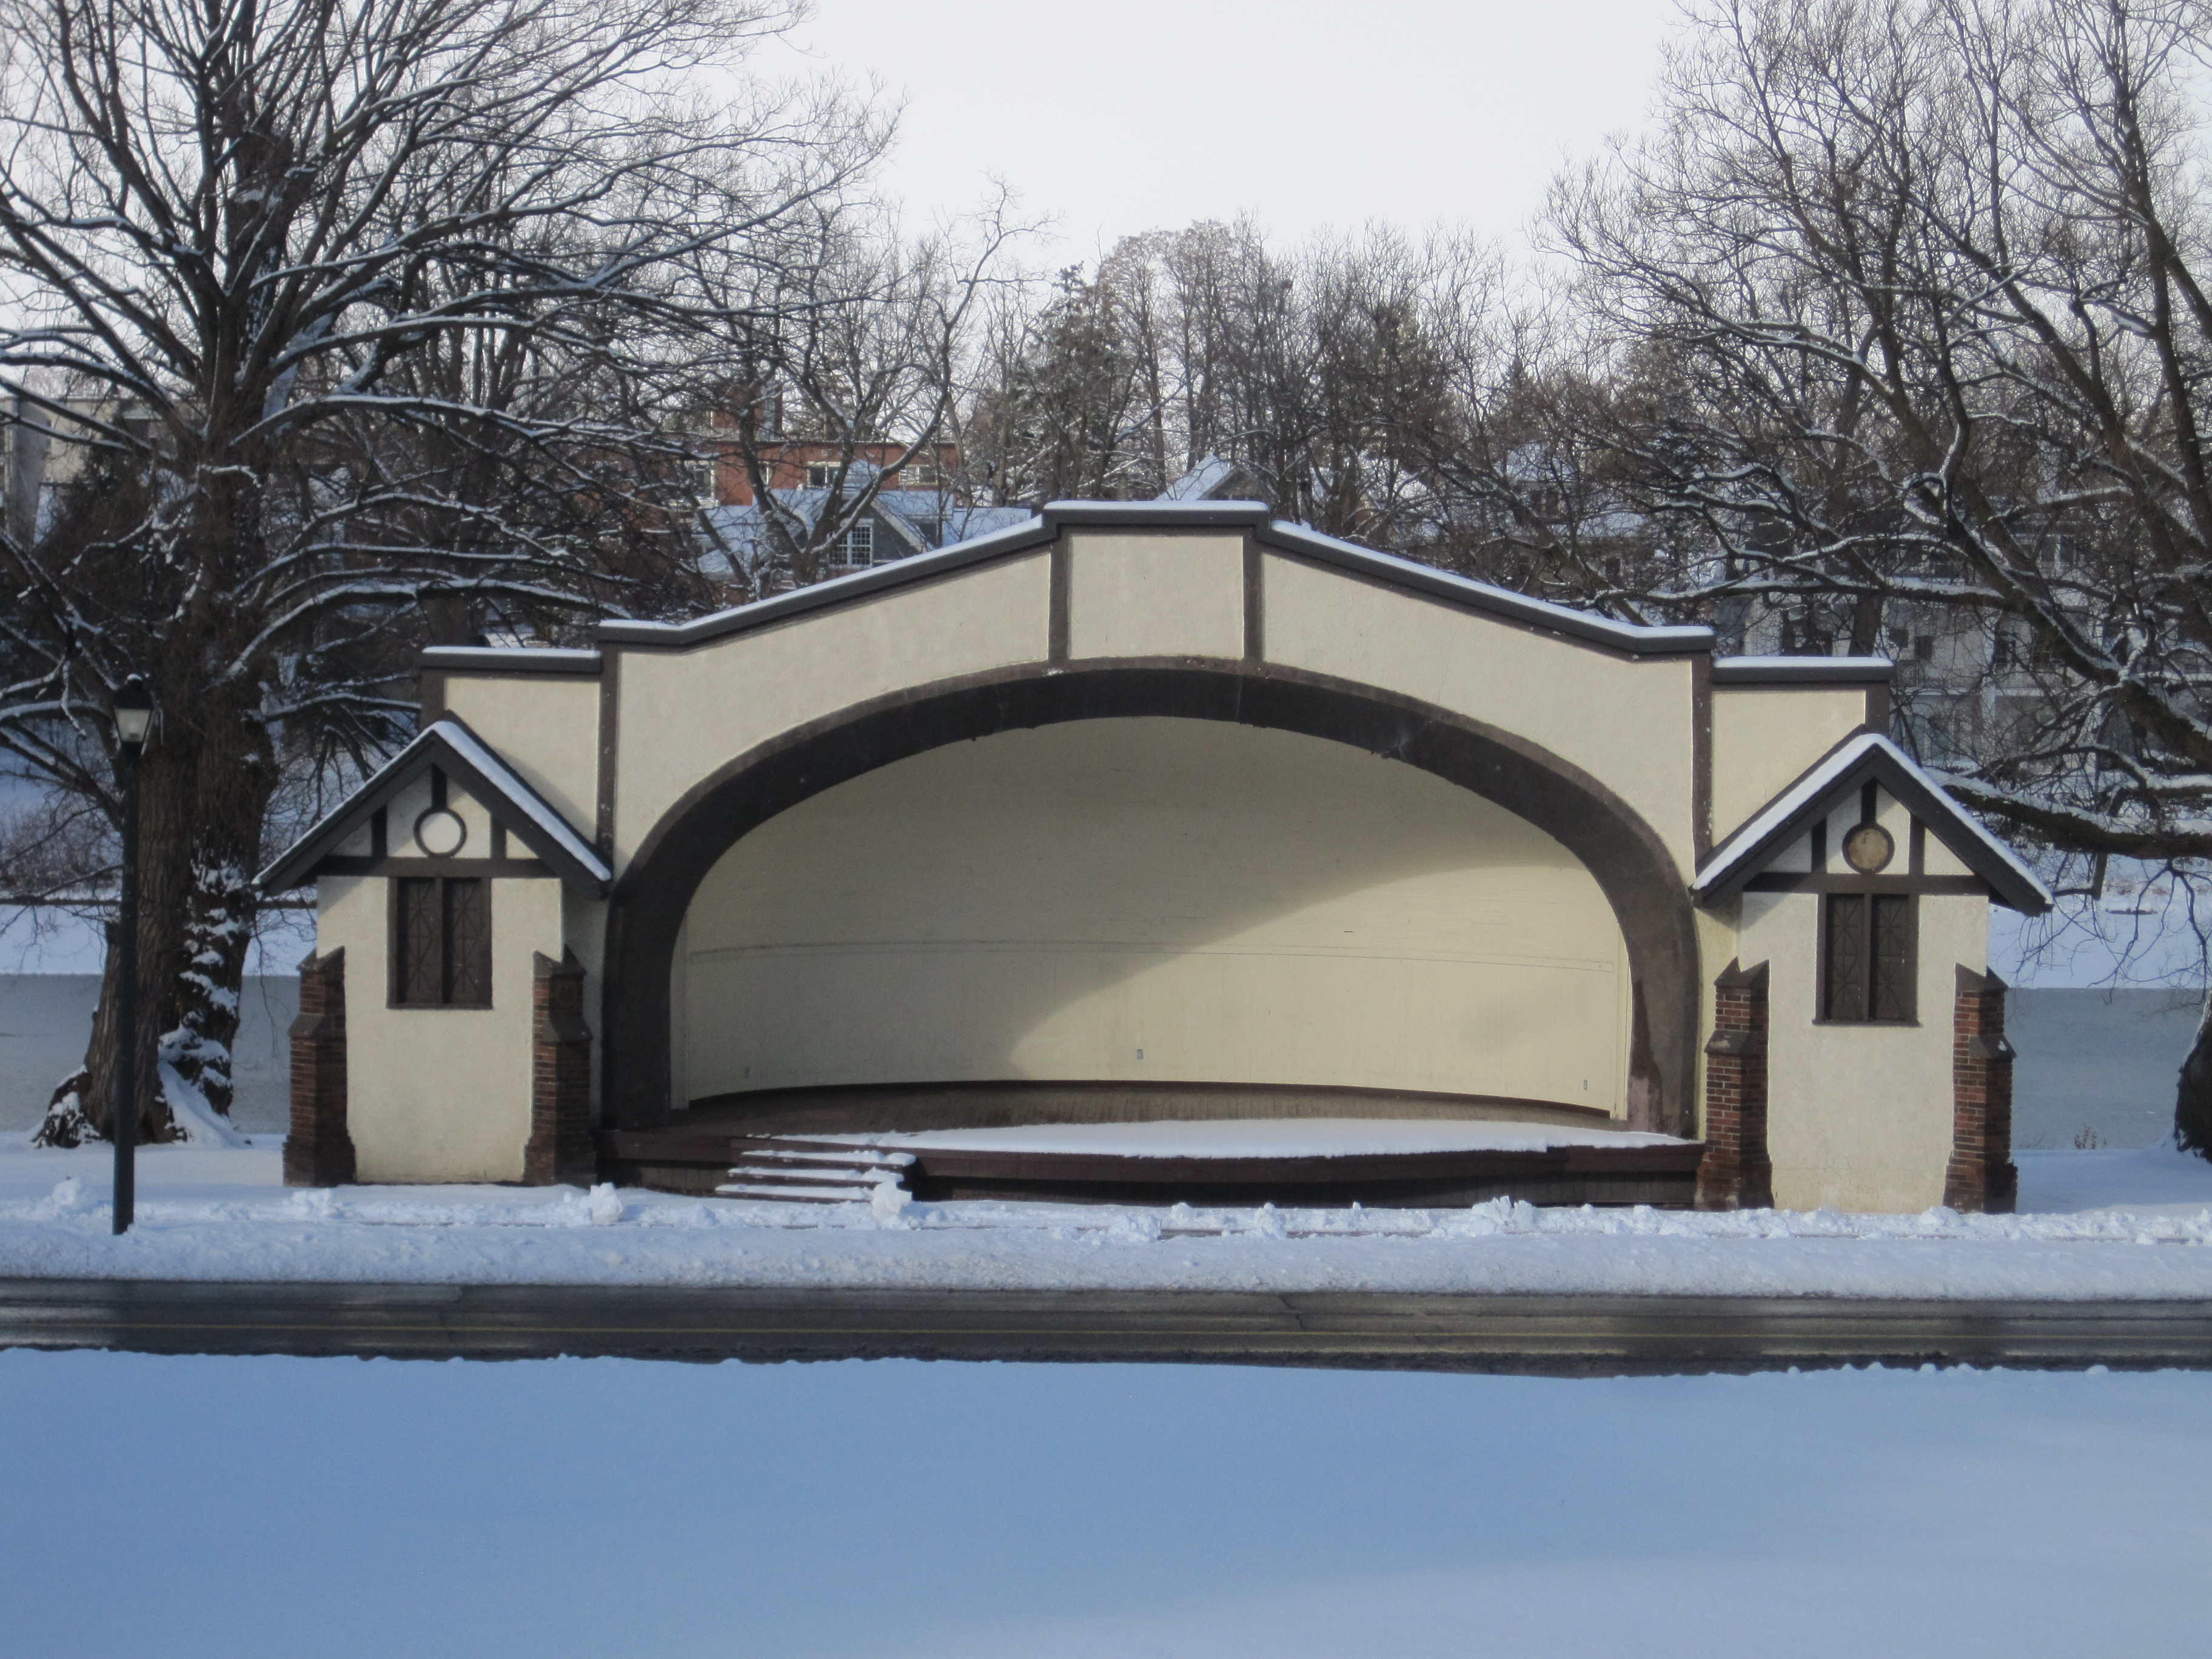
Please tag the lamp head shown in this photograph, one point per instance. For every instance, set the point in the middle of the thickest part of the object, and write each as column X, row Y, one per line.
column 134, row 713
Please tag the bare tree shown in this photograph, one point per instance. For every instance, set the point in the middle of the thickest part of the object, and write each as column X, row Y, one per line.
column 1318, row 370
column 322, row 282
column 1907, row 312
column 853, row 350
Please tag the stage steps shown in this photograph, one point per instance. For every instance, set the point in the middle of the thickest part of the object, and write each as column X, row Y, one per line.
column 794, row 1170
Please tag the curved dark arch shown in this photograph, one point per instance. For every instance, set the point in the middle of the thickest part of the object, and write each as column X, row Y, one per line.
column 1630, row 864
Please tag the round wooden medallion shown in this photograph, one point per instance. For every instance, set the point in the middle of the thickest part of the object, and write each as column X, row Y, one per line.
column 1869, row 848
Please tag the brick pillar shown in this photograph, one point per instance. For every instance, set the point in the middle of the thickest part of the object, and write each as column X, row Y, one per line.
column 1981, row 1175
column 318, row 1153
column 560, row 1145
column 1736, row 1173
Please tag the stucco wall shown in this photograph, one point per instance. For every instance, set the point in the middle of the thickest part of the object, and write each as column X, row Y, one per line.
column 1136, row 595
column 1859, row 1116
column 1628, row 723
column 437, row 1094
column 683, row 715
column 1154, row 901
column 546, row 726
column 1765, row 737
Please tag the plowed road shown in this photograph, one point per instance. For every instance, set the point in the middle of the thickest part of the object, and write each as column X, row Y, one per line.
column 1564, row 1335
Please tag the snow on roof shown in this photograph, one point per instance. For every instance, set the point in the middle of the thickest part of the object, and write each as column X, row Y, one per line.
column 519, row 795
column 1587, row 624
column 1208, row 479
column 482, row 772
column 1034, row 529
column 1764, row 835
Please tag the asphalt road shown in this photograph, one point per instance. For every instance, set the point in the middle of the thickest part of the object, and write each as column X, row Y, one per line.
column 1548, row 1335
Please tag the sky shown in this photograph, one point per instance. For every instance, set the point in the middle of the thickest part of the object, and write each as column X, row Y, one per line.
column 569, row 1509
column 1153, row 114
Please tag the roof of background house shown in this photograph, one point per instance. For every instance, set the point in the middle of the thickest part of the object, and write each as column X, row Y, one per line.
column 1214, row 479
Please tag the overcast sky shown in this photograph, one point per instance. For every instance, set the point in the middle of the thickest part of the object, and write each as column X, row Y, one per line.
column 1150, row 113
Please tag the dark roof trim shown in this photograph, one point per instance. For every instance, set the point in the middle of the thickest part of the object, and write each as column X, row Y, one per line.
column 1251, row 516
column 510, row 660
column 1803, row 671
column 1158, row 515
column 1839, row 774
column 1632, row 638
column 468, row 760
column 861, row 584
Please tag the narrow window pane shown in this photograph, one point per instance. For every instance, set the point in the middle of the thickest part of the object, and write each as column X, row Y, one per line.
column 416, row 949
column 1893, row 957
column 1846, row 966
column 468, row 943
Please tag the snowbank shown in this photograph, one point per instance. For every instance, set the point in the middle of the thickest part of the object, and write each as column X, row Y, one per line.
column 212, row 1213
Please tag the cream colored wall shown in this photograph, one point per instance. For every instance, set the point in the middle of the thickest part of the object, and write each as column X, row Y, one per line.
column 1765, row 737
column 546, row 727
column 1796, row 858
column 437, row 1094
column 1627, row 723
column 683, row 715
column 1890, row 813
column 1154, row 900
column 1859, row 1116
column 1136, row 595
column 410, row 803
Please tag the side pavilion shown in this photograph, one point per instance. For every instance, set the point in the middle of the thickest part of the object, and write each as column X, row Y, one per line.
column 1158, row 811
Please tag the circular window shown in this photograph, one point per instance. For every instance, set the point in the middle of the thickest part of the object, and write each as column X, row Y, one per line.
column 440, row 833
column 1869, row 848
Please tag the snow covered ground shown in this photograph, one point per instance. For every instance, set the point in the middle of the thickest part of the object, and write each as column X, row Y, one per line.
column 608, row 1509
column 2124, row 1223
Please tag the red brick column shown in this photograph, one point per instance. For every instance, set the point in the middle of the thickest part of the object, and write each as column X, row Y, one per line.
column 318, row 1153
column 1736, row 1173
column 1981, row 1175
column 560, row 1145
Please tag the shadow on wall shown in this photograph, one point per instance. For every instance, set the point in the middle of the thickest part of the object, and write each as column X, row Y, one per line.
column 1153, row 900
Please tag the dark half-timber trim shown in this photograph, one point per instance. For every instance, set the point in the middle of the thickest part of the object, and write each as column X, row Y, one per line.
column 1783, row 881
column 516, row 869
column 1630, row 864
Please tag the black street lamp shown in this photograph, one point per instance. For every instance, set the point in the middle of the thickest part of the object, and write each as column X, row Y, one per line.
column 134, row 719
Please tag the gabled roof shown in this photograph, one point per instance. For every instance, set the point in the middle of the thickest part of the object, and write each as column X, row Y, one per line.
column 471, row 763
column 1387, row 569
column 1869, row 756
column 1212, row 479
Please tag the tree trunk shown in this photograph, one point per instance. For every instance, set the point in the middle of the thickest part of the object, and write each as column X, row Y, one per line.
column 197, row 1044
column 167, row 798
column 2192, row 1105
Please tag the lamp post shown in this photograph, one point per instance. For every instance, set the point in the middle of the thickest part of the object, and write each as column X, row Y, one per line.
column 134, row 717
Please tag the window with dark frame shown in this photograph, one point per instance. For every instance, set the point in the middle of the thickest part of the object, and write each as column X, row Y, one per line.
column 1867, row 972
column 441, row 942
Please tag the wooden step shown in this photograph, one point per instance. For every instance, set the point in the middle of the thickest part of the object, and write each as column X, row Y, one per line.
column 803, row 1172
column 796, row 1194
